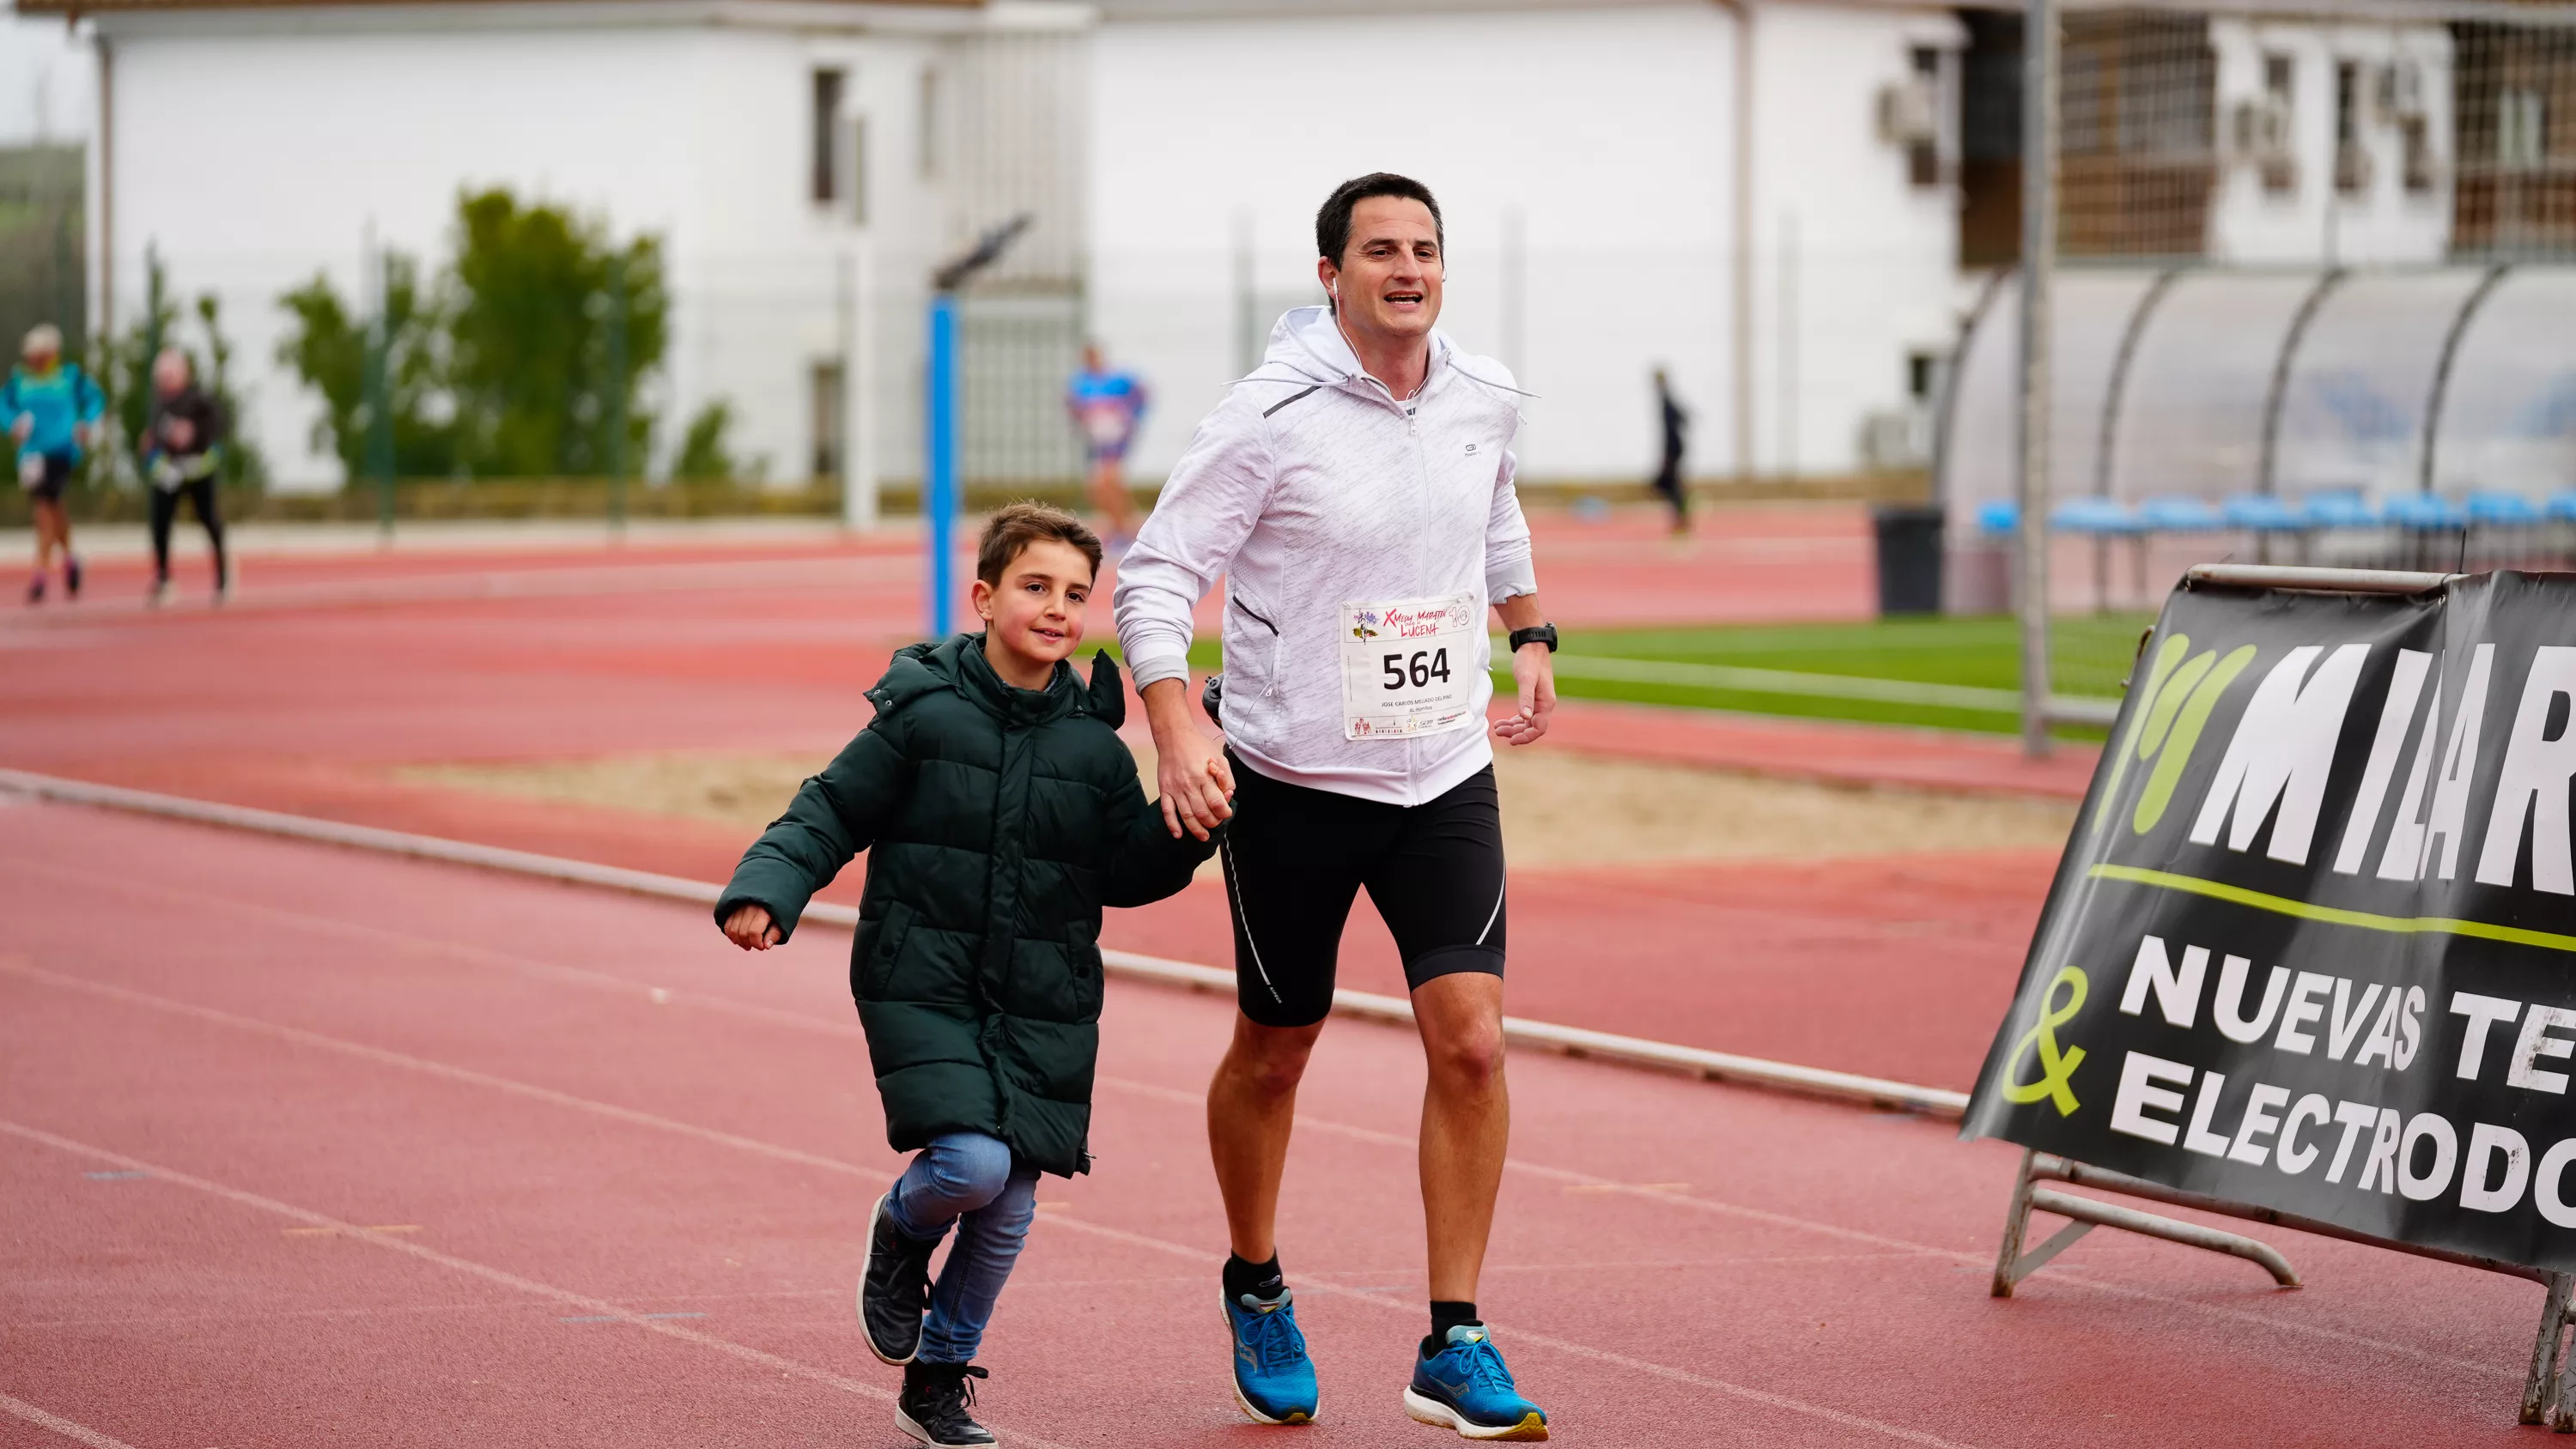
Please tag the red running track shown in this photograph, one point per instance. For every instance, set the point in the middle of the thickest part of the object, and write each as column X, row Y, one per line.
column 301, row 1146
column 331, row 672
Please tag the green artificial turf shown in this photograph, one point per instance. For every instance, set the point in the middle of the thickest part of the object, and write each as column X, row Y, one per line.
column 2090, row 655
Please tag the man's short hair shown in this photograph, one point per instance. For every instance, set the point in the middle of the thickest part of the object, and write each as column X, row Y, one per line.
column 1333, row 223
column 1018, row 525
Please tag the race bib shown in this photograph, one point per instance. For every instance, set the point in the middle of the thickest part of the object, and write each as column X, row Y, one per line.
column 1409, row 666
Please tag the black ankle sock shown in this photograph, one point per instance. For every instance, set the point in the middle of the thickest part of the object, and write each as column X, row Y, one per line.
column 1445, row 1315
column 1261, row 1280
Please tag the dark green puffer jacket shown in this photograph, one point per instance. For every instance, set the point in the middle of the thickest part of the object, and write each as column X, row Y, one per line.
column 997, row 821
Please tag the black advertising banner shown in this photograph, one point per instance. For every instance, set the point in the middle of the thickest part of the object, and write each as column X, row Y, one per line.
column 2313, row 944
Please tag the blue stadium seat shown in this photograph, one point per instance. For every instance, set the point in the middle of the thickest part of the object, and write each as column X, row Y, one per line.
column 2179, row 513
column 2339, row 508
column 2093, row 515
column 2562, row 506
column 2503, row 510
column 2426, row 512
column 1998, row 516
column 2262, row 513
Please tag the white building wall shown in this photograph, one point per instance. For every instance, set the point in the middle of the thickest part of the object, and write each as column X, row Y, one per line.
column 254, row 154
column 2382, row 224
column 1600, row 136
column 1858, row 264
column 1583, row 158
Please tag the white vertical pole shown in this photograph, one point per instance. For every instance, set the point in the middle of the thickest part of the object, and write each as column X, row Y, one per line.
column 1515, row 280
column 858, row 386
column 2038, row 260
column 1788, row 324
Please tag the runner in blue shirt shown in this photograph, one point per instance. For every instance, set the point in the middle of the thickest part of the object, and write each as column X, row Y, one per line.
column 51, row 409
column 1107, row 407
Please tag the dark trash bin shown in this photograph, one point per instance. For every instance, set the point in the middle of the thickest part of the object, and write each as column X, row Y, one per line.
column 1909, row 557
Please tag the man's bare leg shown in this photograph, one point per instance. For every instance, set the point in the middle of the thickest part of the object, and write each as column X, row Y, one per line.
column 1466, row 1124
column 49, row 531
column 1251, row 1108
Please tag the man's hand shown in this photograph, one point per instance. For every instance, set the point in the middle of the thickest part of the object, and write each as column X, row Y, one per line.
column 1535, row 672
column 1189, row 770
column 22, row 427
column 751, row 928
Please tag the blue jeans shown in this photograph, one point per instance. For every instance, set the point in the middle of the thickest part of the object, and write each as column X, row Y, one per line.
column 965, row 1178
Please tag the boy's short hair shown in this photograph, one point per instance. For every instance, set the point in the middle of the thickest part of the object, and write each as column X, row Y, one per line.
column 1018, row 525
column 1333, row 222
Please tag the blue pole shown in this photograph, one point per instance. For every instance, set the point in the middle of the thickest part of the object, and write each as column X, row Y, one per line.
column 939, row 488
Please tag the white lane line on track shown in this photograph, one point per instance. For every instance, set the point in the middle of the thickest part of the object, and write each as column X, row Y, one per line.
column 1784, row 1221
column 579, row 582
column 1517, row 1031
column 1746, row 679
column 2072, row 1276
column 1098, row 1230
column 80, row 1433
column 596, row 1307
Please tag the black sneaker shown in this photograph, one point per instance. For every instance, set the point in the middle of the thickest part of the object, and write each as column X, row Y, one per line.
column 932, row 1407
column 71, row 577
column 36, row 589
column 894, row 1289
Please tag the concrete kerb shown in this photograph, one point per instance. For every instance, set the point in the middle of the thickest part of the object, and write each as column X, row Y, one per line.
column 1368, row 1006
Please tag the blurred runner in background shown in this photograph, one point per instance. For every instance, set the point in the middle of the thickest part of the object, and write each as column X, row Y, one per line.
column 1107, row 406
column 1668, row 472
column 52, row 408
column 181, row 453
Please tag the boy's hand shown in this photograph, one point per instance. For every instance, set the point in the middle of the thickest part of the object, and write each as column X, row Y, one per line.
column 751, row 928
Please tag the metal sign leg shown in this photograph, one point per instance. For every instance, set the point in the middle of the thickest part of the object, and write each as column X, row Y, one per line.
column 2541, row 1391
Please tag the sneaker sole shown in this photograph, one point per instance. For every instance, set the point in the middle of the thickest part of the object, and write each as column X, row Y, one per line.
column 907, row 1424
column 1240, row 1402
column 860, row 1303
column 1426, row 1410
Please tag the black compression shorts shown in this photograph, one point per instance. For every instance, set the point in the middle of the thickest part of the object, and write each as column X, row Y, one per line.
column 1295, row 857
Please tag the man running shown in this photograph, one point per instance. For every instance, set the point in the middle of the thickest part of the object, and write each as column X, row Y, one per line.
column 181, row 456
column 1107, row 408
column 1355, row 492
column 52, row 407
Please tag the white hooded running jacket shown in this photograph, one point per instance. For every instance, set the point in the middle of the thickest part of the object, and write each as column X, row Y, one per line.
column 1309, row 486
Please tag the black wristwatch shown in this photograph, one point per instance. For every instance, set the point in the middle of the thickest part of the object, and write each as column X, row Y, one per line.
column 1543, row 634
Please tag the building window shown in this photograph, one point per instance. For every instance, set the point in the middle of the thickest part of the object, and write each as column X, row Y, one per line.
column 2521, row 143
column 2351, row 158
column 2269, row 138
column 824, row 133
column 825, row 387
column 1923, row 146
column 926, row 124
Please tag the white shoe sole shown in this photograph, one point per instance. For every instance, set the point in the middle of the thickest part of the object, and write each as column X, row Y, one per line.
column 1530, row 1430
column 860, row 1304
column 906, row 1423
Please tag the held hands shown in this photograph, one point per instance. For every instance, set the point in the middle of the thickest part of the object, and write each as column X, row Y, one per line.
column 750, row 928
column 1535, row 672
column 1197, row 795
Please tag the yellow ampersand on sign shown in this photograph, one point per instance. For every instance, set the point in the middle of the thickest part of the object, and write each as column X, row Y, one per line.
column 2054, row 1066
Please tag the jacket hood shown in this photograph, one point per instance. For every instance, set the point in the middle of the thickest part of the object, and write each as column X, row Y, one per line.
column 958, row 663
column 1305, row 343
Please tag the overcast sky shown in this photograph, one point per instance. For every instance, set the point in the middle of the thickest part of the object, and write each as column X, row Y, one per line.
column 46, row 85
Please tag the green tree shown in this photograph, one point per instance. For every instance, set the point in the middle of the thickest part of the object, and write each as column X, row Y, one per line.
column 328, row 349
column 555, row 331
column 706, row 450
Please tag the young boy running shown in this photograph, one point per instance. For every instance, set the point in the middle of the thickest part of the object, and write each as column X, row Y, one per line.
column 1000, row 812
column 50, row 408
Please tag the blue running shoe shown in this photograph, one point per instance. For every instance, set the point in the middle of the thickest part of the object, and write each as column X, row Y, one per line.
column 1274, row 1381
column 1465, row 1387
